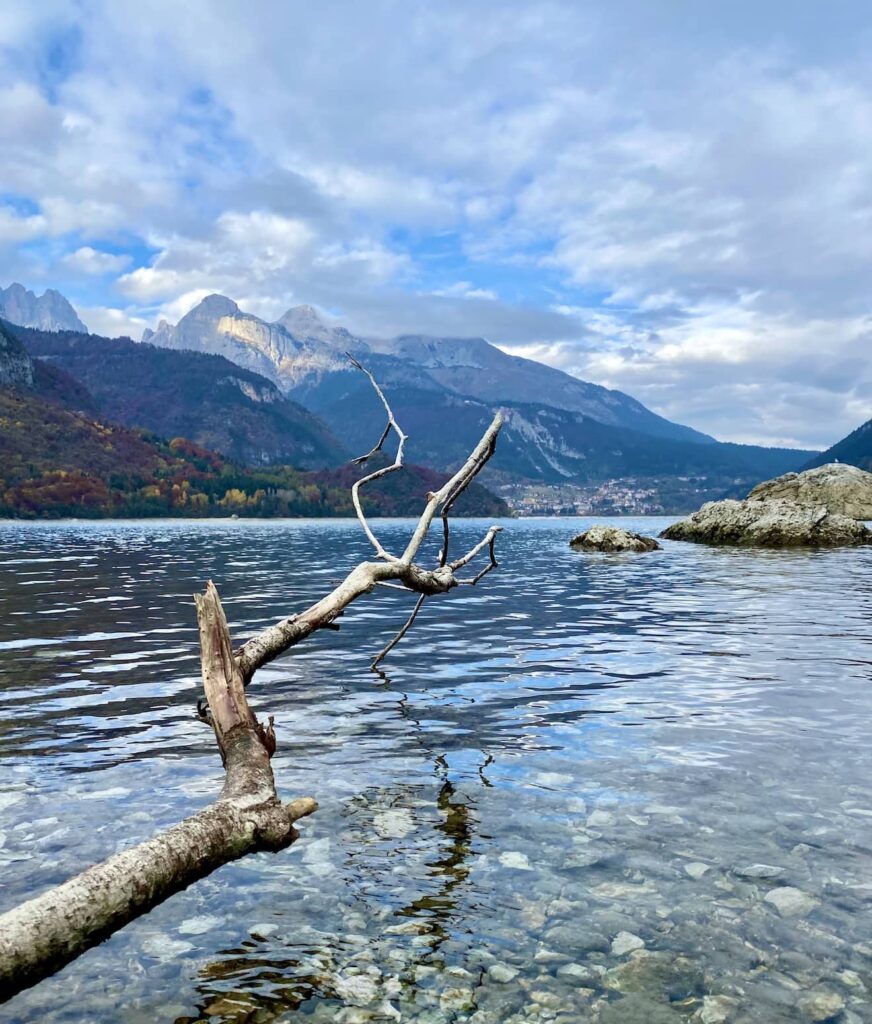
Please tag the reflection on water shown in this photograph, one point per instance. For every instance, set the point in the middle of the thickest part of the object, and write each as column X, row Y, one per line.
column 597, row 788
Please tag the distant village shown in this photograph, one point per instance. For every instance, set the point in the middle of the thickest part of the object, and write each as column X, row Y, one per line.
column 641, row 496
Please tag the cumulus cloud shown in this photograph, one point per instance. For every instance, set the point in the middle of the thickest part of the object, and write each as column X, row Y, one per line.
column 95, row 261
column 677, row 207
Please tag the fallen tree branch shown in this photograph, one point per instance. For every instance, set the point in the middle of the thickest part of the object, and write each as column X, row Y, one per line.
column 40, row 936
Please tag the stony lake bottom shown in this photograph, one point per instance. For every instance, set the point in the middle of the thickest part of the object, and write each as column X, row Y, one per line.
column 631, row 788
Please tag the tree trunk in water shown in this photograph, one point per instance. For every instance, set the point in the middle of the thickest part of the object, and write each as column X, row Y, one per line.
column 41, row 936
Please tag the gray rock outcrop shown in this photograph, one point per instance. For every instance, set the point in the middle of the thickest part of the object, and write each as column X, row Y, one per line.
column 612, row 538
column 839, row 488
column 774, row 523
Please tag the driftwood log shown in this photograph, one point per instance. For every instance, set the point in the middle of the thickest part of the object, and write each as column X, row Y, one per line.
column 44, row 934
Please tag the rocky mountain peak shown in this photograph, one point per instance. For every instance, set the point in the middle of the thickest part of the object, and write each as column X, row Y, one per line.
column 212, row 307
column 47, row 312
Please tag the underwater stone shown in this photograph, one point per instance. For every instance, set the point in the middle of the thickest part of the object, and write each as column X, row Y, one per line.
column 821, row 1005
column 626, row 942
column 514, row 859
column 502, row 973
column 790, row 902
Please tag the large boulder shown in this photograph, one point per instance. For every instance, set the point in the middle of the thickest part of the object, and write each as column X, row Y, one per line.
column 612, row 538
column 838, row 487
column 775, row 523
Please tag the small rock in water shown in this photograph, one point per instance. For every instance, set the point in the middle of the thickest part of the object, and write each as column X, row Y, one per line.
column 790, row 902
column 639, row 1009
column 359, row 989
column 502, row 973
column 760, row 871
column 578, row 972
column 600, row 819
column 162, row 947
column 457, row 999
column 626, row 942
column 696, row 869
column 576, row 939
column 199, row 925
column 514, row 859
column 264, row 928
column 394, row 824
column 612, row 538
column 716, row 1009
column 821, row 1005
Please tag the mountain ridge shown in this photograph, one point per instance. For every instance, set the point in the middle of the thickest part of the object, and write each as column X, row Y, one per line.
column 206, row 398
column 854, row 449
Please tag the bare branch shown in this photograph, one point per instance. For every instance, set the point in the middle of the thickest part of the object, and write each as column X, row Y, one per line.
column 395, row 465
column 456, row 485
column 492, row 564
column 273, row 641
column 487, row 541
column 400, row 633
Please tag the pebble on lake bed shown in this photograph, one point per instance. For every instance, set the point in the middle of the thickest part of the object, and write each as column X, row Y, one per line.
column 760, row 871
column 790, row 902
column 821, row 1005
column 514, row 859
column 502, row 973
column 696, row 869
column 626, row 942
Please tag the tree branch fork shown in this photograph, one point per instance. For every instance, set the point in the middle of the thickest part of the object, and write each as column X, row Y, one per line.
column 40, row 936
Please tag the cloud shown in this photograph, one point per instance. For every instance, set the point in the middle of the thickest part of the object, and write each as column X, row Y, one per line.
column 678, row 207
column 94, row 261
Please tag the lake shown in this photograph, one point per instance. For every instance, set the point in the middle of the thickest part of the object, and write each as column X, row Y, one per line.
column 617, row 788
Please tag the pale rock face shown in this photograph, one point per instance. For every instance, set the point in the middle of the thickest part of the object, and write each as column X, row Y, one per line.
column 47, row 312
column 773, row 523
column 839, row 488
column 287, row 351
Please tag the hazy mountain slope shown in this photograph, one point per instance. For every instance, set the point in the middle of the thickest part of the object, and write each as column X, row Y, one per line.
column 475, row 368
column 49, row 311
column 547, row 444
column 206, row 398
column 855, row 449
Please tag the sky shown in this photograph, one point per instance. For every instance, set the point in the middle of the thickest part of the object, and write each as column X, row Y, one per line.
column 672, row 198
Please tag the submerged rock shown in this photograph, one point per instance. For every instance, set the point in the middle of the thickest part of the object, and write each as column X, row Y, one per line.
column 673, row 978
column 790, row 902
column 839, row 488
column 768, row 524
column 612, row 538
column 821, row 1005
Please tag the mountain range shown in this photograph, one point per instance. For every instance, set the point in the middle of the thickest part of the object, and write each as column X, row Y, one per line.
column 560, row 431
column 264, row 393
